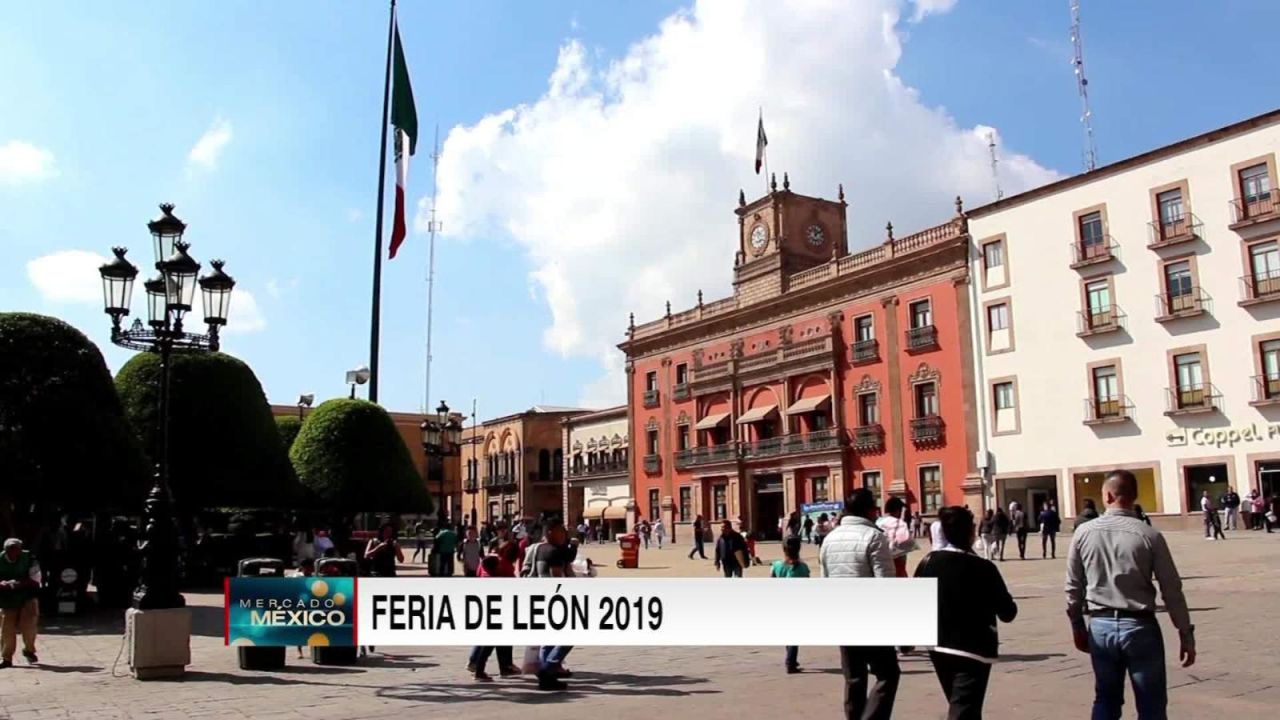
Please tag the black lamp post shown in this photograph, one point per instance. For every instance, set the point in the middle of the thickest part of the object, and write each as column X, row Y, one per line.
column 169, row 299
column 441, row 438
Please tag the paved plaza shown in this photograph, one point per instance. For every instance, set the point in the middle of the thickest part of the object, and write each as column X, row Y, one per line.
column 1231, row 586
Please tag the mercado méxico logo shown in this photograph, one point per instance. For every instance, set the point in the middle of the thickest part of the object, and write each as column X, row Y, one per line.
column 280, row 612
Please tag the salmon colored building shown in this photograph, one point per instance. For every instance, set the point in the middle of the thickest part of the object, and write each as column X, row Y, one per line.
column 825, row 371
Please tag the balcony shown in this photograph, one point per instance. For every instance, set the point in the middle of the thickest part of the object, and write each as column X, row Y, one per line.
column 1172, row 306
column 1259, row 288
column 868, row 437
column 706, row 455
column 1248, row 210
column 652, row 463
column 1115, row 409
column 1166, row 233
column 680, row 391
column 924, row 337
column 471, row 485
column 1093, row 253
column 1099, row 321
column 651, row 398
column 927, row 429
column 816, row 441
column 768, row 447
column 865, row 351
column 1266, row 390
column 597, row 469
column 1192, row 399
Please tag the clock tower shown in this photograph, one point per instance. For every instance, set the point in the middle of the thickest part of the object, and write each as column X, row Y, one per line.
column 783, row 233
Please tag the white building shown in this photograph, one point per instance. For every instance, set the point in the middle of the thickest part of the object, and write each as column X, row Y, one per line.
column 1129, row 317
column 597, row 481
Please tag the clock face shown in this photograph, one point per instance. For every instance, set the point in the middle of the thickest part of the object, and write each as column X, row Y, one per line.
column 815, row 235
column 759, row 237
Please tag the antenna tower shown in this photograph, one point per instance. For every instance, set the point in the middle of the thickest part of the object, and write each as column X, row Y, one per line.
column 1082, row 86
column 995, row 172
column 433, row 226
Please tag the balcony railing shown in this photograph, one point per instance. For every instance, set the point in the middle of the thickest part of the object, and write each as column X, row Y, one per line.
column 865, row 351
column 868, row 437
column 1170, row 306
column 816, row 441
column 927, row 429
column 762, row 448
column 1254, row 208
column 604, row 468
column 1099, row 320
column 1114, row 409
column 1266, row 389
column 922, row 338
column 1189, row 399
column 1101, row 251
column 651, row 398
column 497, row 481
column 706, row 455
column 680, row 391
column 1164, row 233
column 1260, row 287
column 652, row 463
column 471, row 485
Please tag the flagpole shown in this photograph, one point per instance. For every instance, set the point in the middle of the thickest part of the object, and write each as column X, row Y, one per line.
column 432, row 227
column 377, row 239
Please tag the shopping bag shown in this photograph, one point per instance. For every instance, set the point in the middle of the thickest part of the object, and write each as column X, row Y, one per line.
column 531, row 663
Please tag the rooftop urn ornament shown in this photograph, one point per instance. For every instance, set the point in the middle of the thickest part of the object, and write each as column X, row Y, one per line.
column 699, row 298
column 773, row 182
column 668, row 308
column 786, row 182
column 841, row 192
column 742, row 198
column 888, row 227
column 959, row 207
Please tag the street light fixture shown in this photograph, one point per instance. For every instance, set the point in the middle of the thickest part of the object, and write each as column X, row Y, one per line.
column 441, row 438
column 169, row 299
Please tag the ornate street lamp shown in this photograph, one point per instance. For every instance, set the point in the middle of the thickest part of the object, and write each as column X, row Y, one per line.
column 169, row 299
column 441, row 438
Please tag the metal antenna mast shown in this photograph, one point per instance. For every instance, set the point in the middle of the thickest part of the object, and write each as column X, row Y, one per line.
column 1082, row 86
column 433, row 226
column 995, row 172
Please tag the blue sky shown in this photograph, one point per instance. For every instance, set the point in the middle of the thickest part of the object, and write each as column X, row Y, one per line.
column 585, row 176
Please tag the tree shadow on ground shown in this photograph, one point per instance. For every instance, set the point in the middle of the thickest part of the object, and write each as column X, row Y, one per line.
column 1028, row 657
column 45, row 667
column 288, row 676
column 582, row 684
column 396, row 661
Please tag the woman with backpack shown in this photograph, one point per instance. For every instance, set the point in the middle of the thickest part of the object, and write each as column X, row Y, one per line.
column 791, row 567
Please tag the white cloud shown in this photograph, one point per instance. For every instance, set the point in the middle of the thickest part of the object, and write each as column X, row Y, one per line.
column 205, row 153
column 620, row 181
column 244, row 316
column 277, row 288
column 67, row 276
column 22, row 162
column 925, row 8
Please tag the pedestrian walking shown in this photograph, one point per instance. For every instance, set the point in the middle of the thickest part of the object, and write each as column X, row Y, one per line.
column 1230, row 501
column 1018, row 518
column 698, row 540
column 821, row 529
column 553, row 559
column 498, row 562
column 443, row 548
column 1001, row 532
column 791, row 566
column 808, row 528
column 20, row 580
column 1050, row 524
column 857, row 548
column 1110, row 567
column 645, row 531
column 1212, row 524
column 659, row 532
column 987, row 531
column 937, row 540
column 731, row 551
column 419, row 541
column 1246, row 509
column 470, row 553
column 898, row 532
column 1259, row 511
column 795, row 524
column 1090, row 512
column 383, row 552
column 971, row 597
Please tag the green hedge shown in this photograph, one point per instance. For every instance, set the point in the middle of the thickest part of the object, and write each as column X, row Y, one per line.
column 64, row 441
column 224, row 447
column 288, row 427
column 351, row 456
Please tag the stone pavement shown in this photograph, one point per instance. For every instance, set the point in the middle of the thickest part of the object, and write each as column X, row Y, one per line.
column 1232, row 587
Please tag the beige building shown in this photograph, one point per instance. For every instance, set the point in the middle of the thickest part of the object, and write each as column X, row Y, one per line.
column 1130, row 317
column 516, row 467
column 597, row 481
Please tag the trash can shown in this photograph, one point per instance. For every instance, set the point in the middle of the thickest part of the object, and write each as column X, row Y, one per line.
column 630, row 546
column 252, row 657
column 335, row 655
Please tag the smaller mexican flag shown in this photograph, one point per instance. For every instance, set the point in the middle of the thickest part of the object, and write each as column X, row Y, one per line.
column 404, row 118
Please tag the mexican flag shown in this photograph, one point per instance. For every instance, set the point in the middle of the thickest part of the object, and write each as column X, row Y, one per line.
column 404, row 118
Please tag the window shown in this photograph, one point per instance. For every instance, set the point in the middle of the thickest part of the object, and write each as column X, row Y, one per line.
column 1093, row 240
column 999, row 334
column 993, row 255
column 871, row 481
column 1264, row 266
column 1171, row 211
column 864, row 329
column 686, row 503
column 682, row 374
column 651, row 381
column 654, row 507
column 921, row 314
column 930, row 489
column 1190, row 378
column 682, row 437
column 1269, row 352
column 719, row 495
column 994, row 271
column 1003, row 395
column 998, row 317
column 653, row 441
column 509, row 509
column 819, row 421
column 1004, row 400
column 926, row 399
column 1106, row 391
column 1179, row 295
column 1255, row 183
column 1098, row 296
column 819, row 489
column 868, row 409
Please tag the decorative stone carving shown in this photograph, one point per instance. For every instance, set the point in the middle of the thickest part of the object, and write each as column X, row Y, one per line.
column 784, row 335
column 867, row 384
column 924, row 373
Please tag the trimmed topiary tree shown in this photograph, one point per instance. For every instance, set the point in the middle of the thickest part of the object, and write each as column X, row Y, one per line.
column 351, row 456
column 64, row 440
column 224, row 447
column 288, row 427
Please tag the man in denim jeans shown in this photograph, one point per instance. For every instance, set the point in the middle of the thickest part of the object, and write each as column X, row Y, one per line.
column 1110, row 571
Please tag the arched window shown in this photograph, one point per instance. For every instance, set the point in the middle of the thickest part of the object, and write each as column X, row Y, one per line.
column 557, row 465
column 544, row 464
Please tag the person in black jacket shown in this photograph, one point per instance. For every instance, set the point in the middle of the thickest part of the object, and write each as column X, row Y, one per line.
column 1050, row 524
column 971, row 596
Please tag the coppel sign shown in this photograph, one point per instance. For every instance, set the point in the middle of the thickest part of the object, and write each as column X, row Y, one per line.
column 1223, row 437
